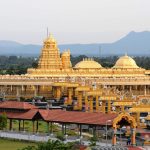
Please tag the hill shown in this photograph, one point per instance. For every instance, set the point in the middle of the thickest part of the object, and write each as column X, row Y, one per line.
column 134, row 43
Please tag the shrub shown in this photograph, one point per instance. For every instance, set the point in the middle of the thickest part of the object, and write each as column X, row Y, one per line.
column 60, row 136
column 3, row 121
column 71, row 133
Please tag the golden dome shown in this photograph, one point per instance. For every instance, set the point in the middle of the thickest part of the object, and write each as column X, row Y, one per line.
column 88, row 63
column 126, row 62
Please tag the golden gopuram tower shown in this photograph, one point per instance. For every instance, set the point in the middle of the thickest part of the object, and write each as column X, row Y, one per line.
column 50, row 60
column 50, row 56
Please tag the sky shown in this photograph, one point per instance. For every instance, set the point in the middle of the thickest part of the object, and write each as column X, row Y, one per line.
column 72, row 21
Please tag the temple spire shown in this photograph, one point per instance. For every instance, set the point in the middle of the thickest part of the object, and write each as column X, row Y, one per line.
column 47, row 32
column 50, row 55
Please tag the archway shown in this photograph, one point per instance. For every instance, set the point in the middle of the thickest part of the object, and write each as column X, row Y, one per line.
column 124, row 119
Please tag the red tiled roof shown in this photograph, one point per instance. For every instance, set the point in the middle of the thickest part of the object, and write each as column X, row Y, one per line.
column 62, row 116
column 79, row 117
column 17, row 105
column 74, row 117
column 12, row 115
column 27, row 115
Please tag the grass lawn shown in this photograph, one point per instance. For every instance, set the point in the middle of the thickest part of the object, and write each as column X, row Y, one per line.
column 28, row 126
column 6, row 144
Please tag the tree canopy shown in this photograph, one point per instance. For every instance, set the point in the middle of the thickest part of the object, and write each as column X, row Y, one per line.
column 19, row 65
column 51, row 145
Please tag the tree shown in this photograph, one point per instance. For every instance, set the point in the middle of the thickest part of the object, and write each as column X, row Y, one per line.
column 29, row 148
column 50, row 145
column 35, row 64
column 3, row 121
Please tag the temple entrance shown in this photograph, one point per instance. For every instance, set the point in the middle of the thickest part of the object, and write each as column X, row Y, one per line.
column 124, row 120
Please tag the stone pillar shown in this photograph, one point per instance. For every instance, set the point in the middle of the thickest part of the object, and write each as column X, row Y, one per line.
column 70, row 96
column 65, row 129
column 18, row 92
column 19, row 124
column 97, row 104
column 25, row 89
column 37, row 126
column 86, row 103
column 53, row 91
column 35, row 91
column 94, row 131
column 133, row 136
column 135, row 90
column 91, row 103
column 22, row 88
column 138, row 118
column 103, row 106
column 62, row 129
column 33, row 128
column 148, row 89
column 114, row 137
column 130, row 88
column 23, row 125
column 79, row 98
column 38, row 89
column 80, row 126
column 10, row 124
column 145, row 90
column 74, row 92
column 58, row 92
column 109, row 106
column 11, row 88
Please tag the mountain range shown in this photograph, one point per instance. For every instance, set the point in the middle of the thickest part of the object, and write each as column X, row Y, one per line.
column 134, row 43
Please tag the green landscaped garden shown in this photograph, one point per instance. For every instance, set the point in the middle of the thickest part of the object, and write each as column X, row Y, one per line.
column 6, row 144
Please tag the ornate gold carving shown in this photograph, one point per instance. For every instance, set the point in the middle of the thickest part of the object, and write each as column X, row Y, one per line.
column 127, row 117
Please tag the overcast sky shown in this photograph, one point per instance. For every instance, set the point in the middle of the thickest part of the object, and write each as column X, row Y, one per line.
column 72, row 21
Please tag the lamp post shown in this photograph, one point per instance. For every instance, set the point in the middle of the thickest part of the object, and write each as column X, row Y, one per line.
column 106, row 130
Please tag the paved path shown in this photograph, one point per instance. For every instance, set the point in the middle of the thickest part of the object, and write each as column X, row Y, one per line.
column 44, row 138
column 25, row 136
column 39, row 137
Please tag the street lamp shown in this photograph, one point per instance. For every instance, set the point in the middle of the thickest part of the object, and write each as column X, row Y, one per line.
column 106, row 130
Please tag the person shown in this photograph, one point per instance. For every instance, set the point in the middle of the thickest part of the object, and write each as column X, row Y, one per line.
column 128, row 141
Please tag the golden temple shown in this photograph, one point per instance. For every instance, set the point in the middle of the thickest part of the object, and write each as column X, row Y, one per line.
column 52, row 64
column 123, row 89
column 97, row 89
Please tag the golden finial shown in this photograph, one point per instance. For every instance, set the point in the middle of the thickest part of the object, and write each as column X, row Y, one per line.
column 50, row 38
column 50, row 35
